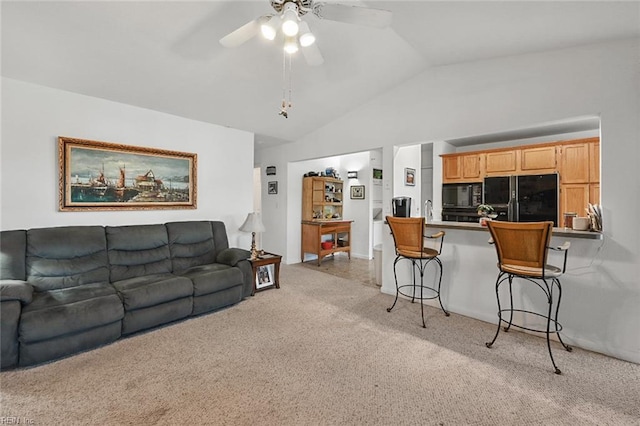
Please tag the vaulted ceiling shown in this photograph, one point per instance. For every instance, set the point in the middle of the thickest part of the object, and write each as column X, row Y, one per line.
column 166, row 56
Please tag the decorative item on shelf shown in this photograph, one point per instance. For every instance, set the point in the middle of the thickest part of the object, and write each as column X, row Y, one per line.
column 271, row 170
column 594, row 213
column 253, row 224
column 486, row 213
column 352, row 174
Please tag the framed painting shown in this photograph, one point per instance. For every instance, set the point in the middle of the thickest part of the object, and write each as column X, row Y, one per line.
column 357, row 192
column 410, row 177
column 107, row 176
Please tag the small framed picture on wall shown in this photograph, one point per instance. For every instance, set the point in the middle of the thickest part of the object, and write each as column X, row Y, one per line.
column 272, row 187
column 357, row 192
column 409, row 176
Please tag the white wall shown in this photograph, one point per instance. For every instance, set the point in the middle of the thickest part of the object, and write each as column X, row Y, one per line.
column 602, row 296
column 408, row 157
column 34, row 116
column 357, row 210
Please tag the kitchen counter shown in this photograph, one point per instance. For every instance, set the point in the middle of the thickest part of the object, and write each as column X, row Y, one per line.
column 557, row 232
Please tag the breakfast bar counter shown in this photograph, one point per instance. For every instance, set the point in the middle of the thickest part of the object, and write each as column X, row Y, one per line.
column 557, row 232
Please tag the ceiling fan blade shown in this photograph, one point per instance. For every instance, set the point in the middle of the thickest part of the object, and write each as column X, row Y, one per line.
column 312, row 55
column 244, row 33
column 379, row 18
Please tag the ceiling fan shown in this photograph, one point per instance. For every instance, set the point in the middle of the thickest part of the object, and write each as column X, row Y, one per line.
column 287, row 19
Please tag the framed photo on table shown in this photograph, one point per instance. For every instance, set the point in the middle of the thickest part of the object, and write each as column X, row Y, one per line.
column 264, row 276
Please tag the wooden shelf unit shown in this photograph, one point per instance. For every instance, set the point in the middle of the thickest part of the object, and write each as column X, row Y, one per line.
column 315, row 232
column 322, row 217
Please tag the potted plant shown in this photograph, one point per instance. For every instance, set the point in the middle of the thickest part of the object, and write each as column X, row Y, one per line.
column 486, row 212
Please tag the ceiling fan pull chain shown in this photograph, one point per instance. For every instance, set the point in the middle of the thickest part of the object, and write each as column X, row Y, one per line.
column 283, row 109
column 290, row 81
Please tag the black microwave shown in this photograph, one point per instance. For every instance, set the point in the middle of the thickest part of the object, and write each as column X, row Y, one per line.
column 461, row 194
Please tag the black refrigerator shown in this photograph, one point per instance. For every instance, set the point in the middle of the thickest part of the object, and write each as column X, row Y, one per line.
column 527, row 198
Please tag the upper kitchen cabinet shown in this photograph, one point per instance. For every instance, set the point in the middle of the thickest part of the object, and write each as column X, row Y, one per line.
column 462, row 168
column 538, row 160
column 574, row 163
column 594, row 162
column 503, row 162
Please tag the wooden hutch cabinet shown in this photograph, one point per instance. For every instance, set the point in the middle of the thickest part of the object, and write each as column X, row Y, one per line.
column 324, row 230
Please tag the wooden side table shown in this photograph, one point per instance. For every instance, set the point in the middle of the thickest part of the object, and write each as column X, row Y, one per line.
column 265, row 277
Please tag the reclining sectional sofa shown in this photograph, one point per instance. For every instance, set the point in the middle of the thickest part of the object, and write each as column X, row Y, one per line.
column 68, row 289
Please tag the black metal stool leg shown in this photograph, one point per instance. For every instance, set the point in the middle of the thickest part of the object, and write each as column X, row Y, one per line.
column 395, row 276
column 439, row 285
column 550, row 300
column 510, row 303
column 489, row 344
column 557, row 282
column 422, row 293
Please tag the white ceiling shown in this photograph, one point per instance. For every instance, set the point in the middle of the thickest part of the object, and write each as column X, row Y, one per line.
column 165, row 56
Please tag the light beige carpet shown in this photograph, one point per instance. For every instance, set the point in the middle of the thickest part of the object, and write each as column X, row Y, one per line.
column 322, row 350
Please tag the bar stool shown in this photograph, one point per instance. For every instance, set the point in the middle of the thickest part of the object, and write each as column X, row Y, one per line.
column 522, row 250
column 409, row 239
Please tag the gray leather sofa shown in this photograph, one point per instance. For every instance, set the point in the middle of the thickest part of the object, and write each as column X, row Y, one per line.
column 68, row 289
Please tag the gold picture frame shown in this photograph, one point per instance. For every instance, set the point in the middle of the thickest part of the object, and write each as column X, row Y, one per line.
column 97, row 175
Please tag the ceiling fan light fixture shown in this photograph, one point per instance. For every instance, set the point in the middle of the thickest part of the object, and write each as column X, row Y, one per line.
column 290, row 19
column 306, row 36
column 268, row 30
column 290, row 45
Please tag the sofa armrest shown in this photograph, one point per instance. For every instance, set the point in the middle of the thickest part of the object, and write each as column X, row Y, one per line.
column 231, row 256
column 18, row 290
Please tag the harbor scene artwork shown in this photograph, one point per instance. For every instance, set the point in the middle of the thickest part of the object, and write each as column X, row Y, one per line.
column 106, row 176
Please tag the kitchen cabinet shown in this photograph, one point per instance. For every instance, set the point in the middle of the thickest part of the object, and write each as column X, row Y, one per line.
column 594, row 193
column 594, row 162
column 451, row 170
column 501, row 162
column 538, row 160
column 322, row 198
column 574, row 198
column 471, row 166
column 335, row 234
column 574, row 166
column 462, row 168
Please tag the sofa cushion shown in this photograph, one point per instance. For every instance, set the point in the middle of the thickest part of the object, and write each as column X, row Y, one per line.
column 150, row 290
column 191, row 244
column 13, row 249
column 137, row 250
column 213, row 278
column 220, row 240
column 57, row 312
column 66, row 257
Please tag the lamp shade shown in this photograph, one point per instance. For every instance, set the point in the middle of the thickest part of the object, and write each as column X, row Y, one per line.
column 253, row 223
column 290, row 19
column 268, row 29
column 306, row 36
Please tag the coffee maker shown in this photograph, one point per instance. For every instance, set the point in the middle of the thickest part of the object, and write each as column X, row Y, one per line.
column 401, row 206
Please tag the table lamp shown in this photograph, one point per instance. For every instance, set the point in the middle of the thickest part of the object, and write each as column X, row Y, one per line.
column 253, row 224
